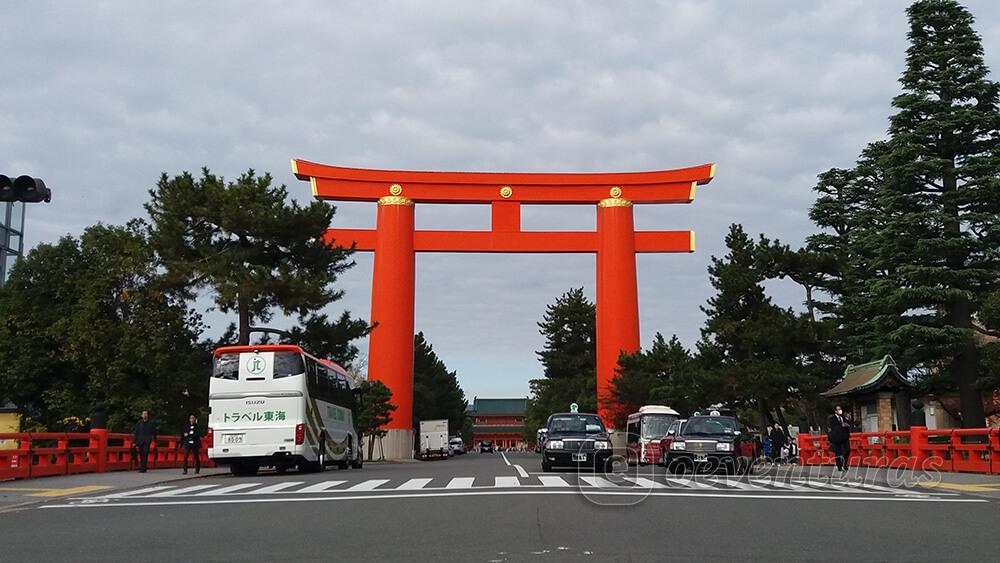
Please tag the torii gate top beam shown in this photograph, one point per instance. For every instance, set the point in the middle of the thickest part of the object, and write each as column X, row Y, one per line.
column 361, row 184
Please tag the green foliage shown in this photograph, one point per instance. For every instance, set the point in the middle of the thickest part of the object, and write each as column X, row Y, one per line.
column 569, row 359
column 436, row 393
column 331, row 340
column 663, row 375
column 375, row 411
column 82, row 322
column 244, row 240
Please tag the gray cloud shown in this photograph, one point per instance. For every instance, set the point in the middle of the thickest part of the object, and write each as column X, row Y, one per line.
column 102, row 97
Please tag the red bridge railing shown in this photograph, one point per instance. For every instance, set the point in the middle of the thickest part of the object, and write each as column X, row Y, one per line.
column 65, row 453
column 969, row 450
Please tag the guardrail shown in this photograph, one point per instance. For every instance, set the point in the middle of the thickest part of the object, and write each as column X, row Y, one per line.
column 969, row 450
column 65, row 453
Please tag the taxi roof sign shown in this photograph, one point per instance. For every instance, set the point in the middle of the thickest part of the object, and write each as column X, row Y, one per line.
column 574, row 407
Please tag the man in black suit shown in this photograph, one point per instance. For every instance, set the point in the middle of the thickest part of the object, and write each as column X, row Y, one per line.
column 777, row 442
column 840, row 437
column 145, row 433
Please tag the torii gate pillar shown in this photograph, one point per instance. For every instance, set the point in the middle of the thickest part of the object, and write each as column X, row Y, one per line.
column 394, row 241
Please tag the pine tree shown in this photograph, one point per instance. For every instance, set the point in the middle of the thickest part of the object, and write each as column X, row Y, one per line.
column 569, row 360
column 659, row 375
column 257, row 251
column 436, row 392
column 940, row 242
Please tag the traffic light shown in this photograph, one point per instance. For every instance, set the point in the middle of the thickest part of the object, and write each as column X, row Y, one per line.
column 24, row 188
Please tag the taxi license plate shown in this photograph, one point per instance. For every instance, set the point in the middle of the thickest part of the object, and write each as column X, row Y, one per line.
column 701, row 457
column 579, row 457
column 233, row 438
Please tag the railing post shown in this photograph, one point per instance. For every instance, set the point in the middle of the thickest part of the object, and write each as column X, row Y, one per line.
column 918, row 445
column 99, row 439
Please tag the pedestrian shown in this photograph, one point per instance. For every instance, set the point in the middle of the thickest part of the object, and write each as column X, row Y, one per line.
column 767, row 448
column 840, row 437
column 145, row 433
column 777, row 441
column 192, row 444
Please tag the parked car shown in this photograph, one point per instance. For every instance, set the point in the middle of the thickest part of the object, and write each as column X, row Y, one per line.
column 486, row 446
column 456, row 446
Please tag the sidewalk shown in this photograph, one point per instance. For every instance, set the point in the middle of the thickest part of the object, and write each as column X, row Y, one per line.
column 26, row 492
column 977, row 484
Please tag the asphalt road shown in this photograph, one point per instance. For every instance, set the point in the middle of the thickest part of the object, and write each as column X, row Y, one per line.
column 498, row 508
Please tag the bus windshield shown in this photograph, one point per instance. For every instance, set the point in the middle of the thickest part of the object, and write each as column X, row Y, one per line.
column 654, row 426
column 227, row 366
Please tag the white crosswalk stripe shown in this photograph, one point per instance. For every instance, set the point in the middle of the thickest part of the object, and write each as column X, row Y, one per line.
column 184, row 491
column 736, row 484
column 413, row 484
column 369, row 485
column 230, row 489
column 597, row 482
column 321, row 487
column 505, row 481
column 138, row 492
column 552, row 481
column 276, row 488
column 647, row 483
column 460, row 483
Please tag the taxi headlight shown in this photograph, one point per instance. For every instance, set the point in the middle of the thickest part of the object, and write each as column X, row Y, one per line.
column 724, row 447
column 554, row 444
column 601, row 445
column 678, row 445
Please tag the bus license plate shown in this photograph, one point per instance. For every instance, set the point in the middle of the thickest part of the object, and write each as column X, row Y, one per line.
column 701, row 457
column 232, row 438
column 579, row 457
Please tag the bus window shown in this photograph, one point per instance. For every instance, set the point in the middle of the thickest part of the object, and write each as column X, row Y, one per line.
column 226, row 366
column 288, row 363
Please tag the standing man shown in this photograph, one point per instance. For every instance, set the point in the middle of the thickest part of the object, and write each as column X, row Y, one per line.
column 840, row 437
column 145, row 433
column 192, row 444
column 777, row 442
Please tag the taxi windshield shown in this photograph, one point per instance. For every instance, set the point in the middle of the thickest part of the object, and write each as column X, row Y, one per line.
column 709, row 425
column 576, row 423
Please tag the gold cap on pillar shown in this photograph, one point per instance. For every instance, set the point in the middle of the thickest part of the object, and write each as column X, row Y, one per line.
column 394, row 200
column 614, row 202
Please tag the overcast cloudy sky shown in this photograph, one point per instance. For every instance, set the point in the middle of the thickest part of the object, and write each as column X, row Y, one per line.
column 99, row 98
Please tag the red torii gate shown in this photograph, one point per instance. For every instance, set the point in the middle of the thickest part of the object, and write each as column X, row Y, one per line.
column 395, row 242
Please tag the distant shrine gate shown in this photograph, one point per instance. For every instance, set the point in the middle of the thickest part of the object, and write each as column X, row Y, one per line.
column 395, row 242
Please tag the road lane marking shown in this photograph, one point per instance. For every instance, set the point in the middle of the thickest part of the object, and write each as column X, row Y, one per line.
column 184, row 491
column 58, row 492
column 414, row 484
column 504, row 458
column 649, row 483
column 736, row 484
column 600, row 482
column 138, row 492
column 367, row 485
column 504, row 481
column 968, row 487
column 228, row 490
column 687, row 483
column 886, row 489
column 775, row 484
column 320, row 487
column 460, row 483
column 526, row 491
column 276, row 488
column 552, row 481
column 521, row 471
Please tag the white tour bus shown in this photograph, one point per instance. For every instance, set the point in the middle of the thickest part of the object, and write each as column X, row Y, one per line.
column 277, row 406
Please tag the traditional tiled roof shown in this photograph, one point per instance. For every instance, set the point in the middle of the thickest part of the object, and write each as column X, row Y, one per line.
column 869, row 377
column 500, row 406
column 6, row 407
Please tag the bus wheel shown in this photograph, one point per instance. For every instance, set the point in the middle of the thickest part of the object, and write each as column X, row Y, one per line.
column 321, row 458
column 281, row 469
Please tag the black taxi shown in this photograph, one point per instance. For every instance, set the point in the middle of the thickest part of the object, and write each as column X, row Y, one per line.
column 575, row 439
column 710, row 443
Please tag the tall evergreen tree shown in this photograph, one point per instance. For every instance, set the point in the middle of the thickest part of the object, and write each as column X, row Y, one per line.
column 569, row 359
column 83, row 323
column 660, row 375
column 331, row 340
column 436, row 392
column 257, row 251
column 749, row 345
column 941, row 240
